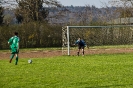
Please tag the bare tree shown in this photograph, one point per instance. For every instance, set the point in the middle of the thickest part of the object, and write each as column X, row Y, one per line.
column 124, row 9
column 34, row 10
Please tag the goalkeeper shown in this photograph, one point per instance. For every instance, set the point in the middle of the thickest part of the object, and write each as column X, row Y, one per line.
column 14, row 45
column 81, row 45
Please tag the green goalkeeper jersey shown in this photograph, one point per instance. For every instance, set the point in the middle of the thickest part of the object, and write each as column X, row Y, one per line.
column 14, row 41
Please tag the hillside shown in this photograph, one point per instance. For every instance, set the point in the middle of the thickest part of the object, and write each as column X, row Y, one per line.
column 69, row 15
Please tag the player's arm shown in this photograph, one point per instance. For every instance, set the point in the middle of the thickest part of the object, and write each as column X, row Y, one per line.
column 18, row 43
column 10, row 40
column 76, row 43
column 85, row 44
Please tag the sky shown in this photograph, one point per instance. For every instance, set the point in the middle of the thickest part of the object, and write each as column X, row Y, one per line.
column 97, row 3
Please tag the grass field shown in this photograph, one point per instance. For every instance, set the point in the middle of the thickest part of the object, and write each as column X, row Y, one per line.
column 60, row 48
column 92, row 71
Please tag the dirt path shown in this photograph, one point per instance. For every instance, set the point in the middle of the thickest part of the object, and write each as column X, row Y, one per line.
column 41, row 54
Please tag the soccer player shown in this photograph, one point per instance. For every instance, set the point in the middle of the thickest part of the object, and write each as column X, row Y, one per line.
column 14, row 45
column 81, row 45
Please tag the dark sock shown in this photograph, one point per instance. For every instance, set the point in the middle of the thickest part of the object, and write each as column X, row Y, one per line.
column 16, row 60
column 78, row 53
column 10, row 61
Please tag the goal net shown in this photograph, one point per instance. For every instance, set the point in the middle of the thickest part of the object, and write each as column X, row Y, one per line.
column 96, row 36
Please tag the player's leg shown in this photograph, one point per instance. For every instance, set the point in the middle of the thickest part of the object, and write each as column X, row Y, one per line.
column 11, row 57
column 79, row 47
column 12, row 54
column 16, row 59
column 17, row 56
column 83, row 50
column 78, row 52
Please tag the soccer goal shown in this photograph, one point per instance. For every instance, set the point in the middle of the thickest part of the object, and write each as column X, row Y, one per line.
column 96, row 36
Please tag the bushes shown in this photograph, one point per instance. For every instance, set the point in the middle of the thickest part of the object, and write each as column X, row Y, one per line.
column 32, row 35
column 39, row 35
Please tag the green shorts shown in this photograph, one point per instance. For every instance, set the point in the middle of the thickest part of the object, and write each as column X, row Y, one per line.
column 14, row 51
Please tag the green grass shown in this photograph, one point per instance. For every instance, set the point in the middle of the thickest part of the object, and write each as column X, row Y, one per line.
column 75, row 47
column 111, row 46
column 92, row 71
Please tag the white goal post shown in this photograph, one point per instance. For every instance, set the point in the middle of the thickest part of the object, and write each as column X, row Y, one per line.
column 66, row 34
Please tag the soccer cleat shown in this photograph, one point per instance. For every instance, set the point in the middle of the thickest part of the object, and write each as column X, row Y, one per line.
column 10, row 61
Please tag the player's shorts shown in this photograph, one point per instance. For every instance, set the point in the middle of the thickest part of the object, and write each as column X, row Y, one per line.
column 14, row 50
column 81, row 47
